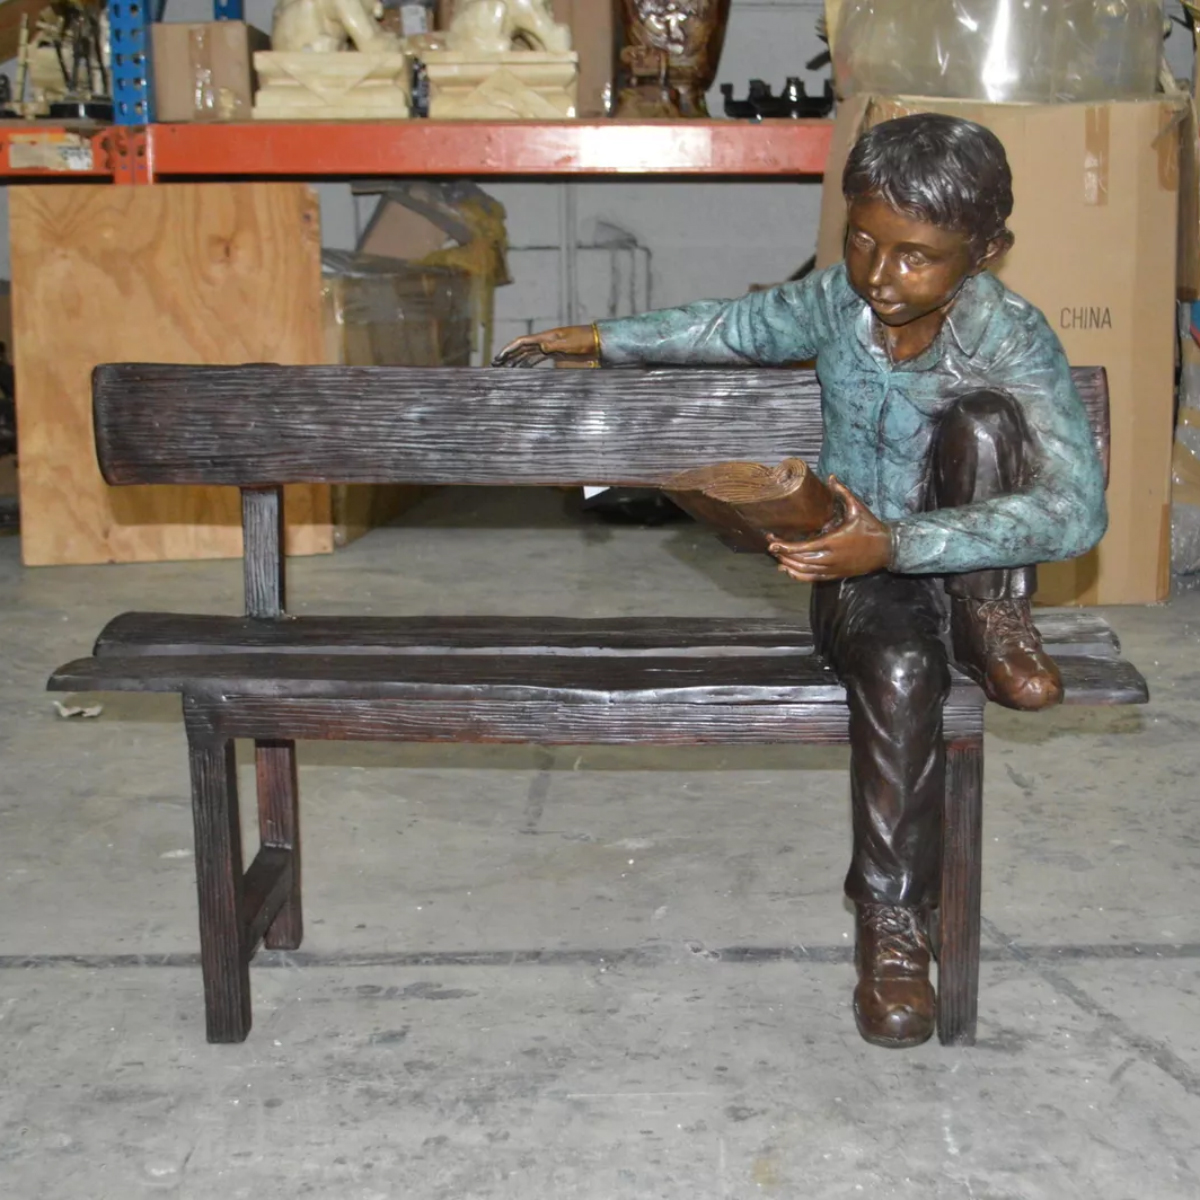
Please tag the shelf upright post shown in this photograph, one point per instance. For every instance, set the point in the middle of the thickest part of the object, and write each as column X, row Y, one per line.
column 133, row 90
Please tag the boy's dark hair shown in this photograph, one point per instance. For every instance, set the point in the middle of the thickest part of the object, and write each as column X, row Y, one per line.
column 939, row 169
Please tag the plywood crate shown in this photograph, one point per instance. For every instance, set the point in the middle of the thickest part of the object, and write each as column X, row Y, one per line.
column 187, row 273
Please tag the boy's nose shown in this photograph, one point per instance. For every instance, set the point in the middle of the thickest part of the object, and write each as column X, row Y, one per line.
column 878, row 271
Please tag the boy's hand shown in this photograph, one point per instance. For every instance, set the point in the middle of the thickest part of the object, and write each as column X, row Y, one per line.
column 861, row 544
column 572, row 341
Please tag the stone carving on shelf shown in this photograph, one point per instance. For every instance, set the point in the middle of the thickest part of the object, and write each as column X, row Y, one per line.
column 500, row 26
column 670, row 58
column 502, row 60
column 332, row 87
column 330, row 26
column 332, row 60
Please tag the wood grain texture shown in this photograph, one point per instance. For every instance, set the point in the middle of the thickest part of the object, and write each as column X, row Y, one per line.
column 184, row 274
column 962, row 864
column 169, row 424
column 504, row 678
column 565, row 678
column 219, row 885
column 265, row 890
column 262, row 556
column 279, row 829
column 1069, row 633
column 1101, row 681
column 530, row 723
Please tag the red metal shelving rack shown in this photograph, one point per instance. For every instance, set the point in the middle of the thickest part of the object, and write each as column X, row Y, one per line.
column 268, row 149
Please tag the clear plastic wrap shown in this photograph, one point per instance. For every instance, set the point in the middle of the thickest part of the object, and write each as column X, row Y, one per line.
column 1038, row 51
column 383, row 312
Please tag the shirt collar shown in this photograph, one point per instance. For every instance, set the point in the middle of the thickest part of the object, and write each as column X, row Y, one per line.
column 967, row 320
column 972, row 312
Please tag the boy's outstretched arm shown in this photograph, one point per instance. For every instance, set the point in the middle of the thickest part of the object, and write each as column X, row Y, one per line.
column 770, row 328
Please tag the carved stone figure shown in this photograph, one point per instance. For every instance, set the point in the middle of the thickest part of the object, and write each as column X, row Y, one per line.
column 961, row 454
column 328, row 26
column 670, row 58
column 482, row 27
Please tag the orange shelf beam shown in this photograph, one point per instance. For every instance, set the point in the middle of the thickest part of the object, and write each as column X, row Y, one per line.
column 488, row 148
column 266, row 149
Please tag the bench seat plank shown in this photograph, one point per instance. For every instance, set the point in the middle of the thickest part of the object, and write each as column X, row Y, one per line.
column 560, row 678
column 563, row 679
column 1065, row 632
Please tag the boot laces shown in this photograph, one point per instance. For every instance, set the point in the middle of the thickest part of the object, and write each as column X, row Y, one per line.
column 897, row 929
column 1009, row 623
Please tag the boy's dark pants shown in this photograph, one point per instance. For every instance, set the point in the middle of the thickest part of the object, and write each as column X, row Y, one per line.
column 884, row 636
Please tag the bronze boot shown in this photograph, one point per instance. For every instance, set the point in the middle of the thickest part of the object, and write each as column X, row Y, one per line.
column 894, row 1002
column 997, row 645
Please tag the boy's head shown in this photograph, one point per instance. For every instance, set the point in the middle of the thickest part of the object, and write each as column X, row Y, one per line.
column 929, row 196
column 942, row 170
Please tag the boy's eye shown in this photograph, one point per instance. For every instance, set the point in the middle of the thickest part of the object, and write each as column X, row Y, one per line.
column 861, row 239
column 914, row 258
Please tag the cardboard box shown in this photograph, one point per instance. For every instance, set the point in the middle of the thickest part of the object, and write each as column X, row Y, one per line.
column 596, row 34
column 1096, row 190
column 205, row 72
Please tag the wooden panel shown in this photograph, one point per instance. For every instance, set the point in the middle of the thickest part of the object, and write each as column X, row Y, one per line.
column 962, row 865
column 262, row 552
column 220, row 889
column 182, row 273
column 538, row 724
column 507, row 678
column 265, row 889
column 1066, row 633
column 164, row 424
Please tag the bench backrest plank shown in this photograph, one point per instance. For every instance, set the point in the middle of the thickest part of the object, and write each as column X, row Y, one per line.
column 257, row 426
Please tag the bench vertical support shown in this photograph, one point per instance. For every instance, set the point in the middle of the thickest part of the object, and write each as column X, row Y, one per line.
column 262, row 551
column 962, row 857
column 219, row 882
column 279, row 828
column 275, row 761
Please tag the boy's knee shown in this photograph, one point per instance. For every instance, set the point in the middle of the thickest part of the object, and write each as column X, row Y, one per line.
column 986, row 413
column 913, row 671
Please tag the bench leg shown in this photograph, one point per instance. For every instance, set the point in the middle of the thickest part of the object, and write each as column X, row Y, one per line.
column 219, row 882
column 962, row 850
column 279, row 828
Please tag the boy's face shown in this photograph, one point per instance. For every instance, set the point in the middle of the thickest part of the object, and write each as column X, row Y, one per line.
column 904, row 268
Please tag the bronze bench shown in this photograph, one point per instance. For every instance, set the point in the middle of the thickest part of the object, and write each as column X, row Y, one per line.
column 668, row 681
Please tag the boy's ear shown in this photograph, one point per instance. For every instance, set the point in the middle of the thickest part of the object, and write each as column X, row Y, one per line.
column 996, row 249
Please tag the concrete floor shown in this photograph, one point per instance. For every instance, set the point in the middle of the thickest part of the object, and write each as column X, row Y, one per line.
column 591, row 973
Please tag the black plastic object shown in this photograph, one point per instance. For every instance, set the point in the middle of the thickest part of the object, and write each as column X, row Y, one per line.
column 793, row 101
column 81, row 110
column 634, row 506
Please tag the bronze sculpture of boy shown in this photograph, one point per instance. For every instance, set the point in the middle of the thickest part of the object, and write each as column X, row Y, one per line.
column 962, row 455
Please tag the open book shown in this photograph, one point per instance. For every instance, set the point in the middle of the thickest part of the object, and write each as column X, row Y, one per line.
column 744, row 501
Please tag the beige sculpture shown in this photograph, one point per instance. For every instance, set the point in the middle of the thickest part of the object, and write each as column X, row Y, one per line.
column 503, row 60
column 498, row 26
column 332, row 61
column 328, row 26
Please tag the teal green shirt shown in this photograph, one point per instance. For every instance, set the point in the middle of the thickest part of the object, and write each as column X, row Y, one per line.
column 880, row 417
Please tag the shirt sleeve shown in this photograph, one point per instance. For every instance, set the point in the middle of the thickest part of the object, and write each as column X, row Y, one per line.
column 1061, row 511
column 770, row 328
